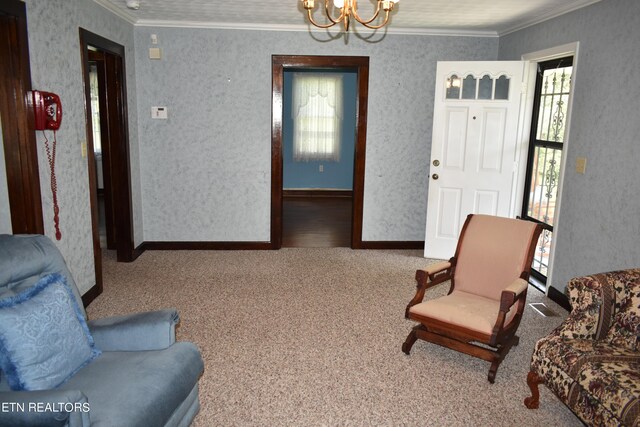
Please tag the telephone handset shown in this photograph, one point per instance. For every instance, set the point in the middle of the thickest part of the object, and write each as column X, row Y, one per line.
column 47, row 112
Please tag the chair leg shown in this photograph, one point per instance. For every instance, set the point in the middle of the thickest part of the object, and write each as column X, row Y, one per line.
column 411, row 340
column 493, row 370
column 500, row 354
column 533, row 380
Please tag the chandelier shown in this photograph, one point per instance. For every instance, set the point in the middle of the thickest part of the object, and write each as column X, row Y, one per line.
column 349, row 8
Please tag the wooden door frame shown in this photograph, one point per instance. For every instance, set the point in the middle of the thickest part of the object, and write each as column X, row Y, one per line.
column 98, row 58
column 279, row 64
column 118, row 150
column 19, row 138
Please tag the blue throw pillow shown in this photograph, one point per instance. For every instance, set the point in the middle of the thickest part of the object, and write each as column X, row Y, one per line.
column 44, row 338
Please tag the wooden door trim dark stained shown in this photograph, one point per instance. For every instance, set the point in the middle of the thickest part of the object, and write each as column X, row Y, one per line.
column 99, row 58
column 19, row 139
column 279, row 64
column 119, row 150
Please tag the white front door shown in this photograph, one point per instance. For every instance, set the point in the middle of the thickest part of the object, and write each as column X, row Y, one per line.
column 475, row 148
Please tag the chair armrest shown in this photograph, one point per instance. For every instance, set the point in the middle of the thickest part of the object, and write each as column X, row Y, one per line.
column 152, row 330
column 511, row 294
column 517, row 287
column 516, row 292
column 435, row 268
column 44, row 408
column 429, row 277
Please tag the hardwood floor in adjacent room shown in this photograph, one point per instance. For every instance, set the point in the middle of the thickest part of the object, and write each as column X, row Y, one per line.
column 316, row 221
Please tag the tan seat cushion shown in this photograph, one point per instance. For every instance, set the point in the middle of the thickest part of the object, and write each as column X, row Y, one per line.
column 464, row 309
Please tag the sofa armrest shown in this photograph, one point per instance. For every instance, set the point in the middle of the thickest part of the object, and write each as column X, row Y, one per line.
column 44, row 408
column 152, row 330
column 591, row 299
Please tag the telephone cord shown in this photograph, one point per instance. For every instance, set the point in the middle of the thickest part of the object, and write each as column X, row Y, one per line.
column 51, row 156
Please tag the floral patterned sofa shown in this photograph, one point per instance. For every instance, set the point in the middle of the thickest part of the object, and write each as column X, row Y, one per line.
column 592, row 360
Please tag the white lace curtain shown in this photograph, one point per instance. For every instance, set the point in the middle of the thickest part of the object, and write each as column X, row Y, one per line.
column 317, row 117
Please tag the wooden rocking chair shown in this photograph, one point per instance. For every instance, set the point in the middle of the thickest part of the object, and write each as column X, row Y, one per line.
column 489, row 278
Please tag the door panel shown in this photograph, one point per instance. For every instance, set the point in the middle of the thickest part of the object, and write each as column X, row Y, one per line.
column 455, row 140
column 486, row 202
column 449, row 201
column 474, row 147
column 492, row 142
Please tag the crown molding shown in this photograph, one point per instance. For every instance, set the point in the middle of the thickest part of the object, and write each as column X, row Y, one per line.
column 558, row 11
column 308, row 28
column 116, row 11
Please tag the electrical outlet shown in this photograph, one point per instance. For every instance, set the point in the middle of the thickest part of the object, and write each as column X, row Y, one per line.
column 581, row 165
column 321, row 168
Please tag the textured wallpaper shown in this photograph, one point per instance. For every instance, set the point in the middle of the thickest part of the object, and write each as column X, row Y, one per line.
column 56, row 66
column 599, row 225
column 206, row 171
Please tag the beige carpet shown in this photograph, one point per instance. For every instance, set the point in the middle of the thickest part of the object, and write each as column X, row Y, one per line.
column 313, row 337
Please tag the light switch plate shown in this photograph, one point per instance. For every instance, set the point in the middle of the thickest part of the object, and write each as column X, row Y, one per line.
column 581, row 164
column 155, row 53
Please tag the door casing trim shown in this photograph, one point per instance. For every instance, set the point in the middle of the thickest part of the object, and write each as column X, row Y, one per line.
column 279, row 64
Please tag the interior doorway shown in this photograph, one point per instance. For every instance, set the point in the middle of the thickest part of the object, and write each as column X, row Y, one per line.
column 100, row 131
column 357, row 65
column 108, row 145
column 319, row 129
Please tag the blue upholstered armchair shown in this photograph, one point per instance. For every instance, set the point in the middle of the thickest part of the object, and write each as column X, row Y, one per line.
column 57, row 369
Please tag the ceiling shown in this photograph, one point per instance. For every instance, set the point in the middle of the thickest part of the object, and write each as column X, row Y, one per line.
column 472, row 17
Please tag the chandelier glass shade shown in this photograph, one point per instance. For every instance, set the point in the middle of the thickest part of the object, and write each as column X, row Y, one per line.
column 349, row 9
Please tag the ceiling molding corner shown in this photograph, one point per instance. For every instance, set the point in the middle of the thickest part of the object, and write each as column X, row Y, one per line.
column 558, row 11
column 116, row 11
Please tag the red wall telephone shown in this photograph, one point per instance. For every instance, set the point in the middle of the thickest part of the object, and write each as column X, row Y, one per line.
column 47, row 110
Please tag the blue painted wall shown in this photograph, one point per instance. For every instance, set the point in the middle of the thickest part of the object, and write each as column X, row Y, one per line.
column 336, row 175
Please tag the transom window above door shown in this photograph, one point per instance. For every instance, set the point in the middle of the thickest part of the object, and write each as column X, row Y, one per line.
column 483, row 87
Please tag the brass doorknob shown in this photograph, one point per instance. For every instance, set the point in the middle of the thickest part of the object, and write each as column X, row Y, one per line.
column 435, row 176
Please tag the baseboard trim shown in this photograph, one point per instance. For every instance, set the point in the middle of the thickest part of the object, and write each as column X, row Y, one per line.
column 210, row 246
column 91, row 294
column 392, row 244
column 559, row 298
column 139, row 250
column 242, row 246
column 317, row 193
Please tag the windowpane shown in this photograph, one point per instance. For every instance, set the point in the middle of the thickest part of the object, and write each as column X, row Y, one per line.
column 485, row 91
column 545, row 178
column 556, row 85
column 453, row 87
column 317, row 113
column 502, row 88
column 469, row 87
